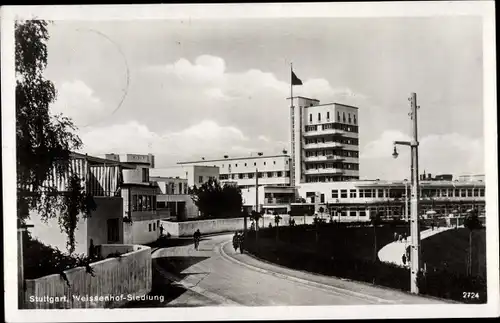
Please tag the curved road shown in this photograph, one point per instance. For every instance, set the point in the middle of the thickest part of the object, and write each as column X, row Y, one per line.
column 217, row 275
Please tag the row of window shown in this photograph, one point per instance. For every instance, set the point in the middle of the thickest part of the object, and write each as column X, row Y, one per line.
column 399, row 193
column 344, row 141
column 333, row 153
column 182, row 188
column 143, row 202
column 327, row 179
column 201, row 179
column 252, row 175
column 336, row 126
column 265, row 163
column 350, row 166
column 344, row 119
column 154, row 225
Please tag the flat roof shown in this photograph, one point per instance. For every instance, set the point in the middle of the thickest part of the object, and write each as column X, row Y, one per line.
column 302, row 97
column 98, row 160
column 229, row 158
column 166, row 177
column 333, row 103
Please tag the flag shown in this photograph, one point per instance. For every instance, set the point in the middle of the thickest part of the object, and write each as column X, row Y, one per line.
column 295, row 79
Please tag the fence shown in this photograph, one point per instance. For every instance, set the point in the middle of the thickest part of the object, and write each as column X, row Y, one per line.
column 110, row 283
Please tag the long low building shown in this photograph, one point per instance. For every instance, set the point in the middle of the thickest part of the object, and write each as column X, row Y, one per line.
column 356, row 200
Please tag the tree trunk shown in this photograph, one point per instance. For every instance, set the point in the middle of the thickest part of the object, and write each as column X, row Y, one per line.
column 374, row 244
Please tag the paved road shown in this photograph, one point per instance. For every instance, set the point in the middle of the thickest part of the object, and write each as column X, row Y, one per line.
column 217, row 275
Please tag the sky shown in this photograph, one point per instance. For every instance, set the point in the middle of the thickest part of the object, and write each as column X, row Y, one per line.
column 186, row 89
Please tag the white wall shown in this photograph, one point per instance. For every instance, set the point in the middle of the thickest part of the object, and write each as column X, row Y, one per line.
column 138, row 232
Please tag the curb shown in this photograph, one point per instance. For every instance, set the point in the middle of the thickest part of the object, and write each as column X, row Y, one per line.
column 336, row 290
column 224, row 301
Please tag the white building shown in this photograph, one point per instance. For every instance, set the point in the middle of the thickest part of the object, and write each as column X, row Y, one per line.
column 356, row 200
column 272, row 170
column 324, row 141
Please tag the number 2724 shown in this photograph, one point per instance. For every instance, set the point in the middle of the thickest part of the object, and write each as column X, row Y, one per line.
column 470, row 295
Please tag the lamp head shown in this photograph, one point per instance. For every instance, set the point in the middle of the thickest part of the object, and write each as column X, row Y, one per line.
column 395, row 153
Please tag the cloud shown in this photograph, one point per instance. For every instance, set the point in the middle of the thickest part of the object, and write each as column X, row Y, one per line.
column 438, row 154
column 206, row 138
column 77, row 100
column 209, row 72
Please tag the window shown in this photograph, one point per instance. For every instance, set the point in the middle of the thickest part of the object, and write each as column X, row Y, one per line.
column 481, row 192
column 279, row 174
column 240, row 176
column 319, row 116
column 264, row 163
column 362, row 213
column 338, row 116
column 245, row 164
column 149, row 226
column 200, row 179
column 349, row 116
column 113, row 230
column 310, row 117
column 154, row 226
column 343, row 194
column 180, row 188
column 354, row 119
column 463, row 192
column 476, row 192
column 274, row 162
column 270, row 174
column 344, row 213
column 154, row 202
column 335, row 194
column 160, row 205
column 328, row 115
column 235, row 165
column 380, row 193
column 134, row 203
column 158, row 223
column 145, row 175
column 343, row 117
column 250, row 175
column 352, row 213
column 469, row 192
column 457, row 193
column 352, row 193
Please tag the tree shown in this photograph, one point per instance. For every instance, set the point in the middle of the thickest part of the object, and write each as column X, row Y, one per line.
column 375, row 220
column 43, row 141
column 472, row 223
column 215, row 200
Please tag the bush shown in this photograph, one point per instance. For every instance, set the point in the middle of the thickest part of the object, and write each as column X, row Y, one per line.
column 40, row 260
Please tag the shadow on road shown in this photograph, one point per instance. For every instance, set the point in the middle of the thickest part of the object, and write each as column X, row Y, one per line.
column 176, row 265
column 173, row 242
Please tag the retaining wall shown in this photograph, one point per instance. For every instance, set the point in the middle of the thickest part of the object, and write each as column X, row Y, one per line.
column 115, row 280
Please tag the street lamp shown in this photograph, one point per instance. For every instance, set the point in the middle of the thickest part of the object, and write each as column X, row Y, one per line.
column 415, row 232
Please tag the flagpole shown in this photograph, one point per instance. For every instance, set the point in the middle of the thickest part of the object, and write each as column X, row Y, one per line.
column 292, row 122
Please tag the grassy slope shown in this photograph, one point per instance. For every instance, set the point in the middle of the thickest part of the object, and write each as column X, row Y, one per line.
column 450, row 249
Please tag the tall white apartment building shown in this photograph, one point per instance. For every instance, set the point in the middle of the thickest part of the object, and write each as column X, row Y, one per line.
column 324, row 141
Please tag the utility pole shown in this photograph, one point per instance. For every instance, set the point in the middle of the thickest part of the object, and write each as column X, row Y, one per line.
column 415, row 258
column 415, row 230
column 257, row 190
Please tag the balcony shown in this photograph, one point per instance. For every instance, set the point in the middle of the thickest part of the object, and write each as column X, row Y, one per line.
column 320, row 132
column 277, row 201
column 323, row 158
column 323, row 145
column 324, row 171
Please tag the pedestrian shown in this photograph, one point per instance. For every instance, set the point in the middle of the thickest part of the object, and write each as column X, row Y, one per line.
column 400, row 238
column 406, row 236
column 240, row 241
column 236, row 241
column 395, row 236
column 161, row 230
column 404, row 259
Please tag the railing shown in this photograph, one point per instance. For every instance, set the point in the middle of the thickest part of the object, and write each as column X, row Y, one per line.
column 324, row 158
column 330, row 144
column 321, row 132
column 324, row 171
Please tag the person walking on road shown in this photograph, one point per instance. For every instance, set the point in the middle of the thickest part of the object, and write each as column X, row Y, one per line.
column 161, row 230
column 241, row 238
column 236, row 241
column 197, row 237
column 395, row 236
column 404, row 259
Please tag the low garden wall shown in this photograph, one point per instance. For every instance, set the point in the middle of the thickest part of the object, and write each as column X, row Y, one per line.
column 107, row 283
